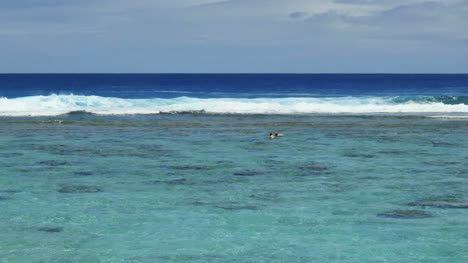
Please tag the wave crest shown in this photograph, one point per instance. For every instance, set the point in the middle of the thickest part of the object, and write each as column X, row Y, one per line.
column 62, row 104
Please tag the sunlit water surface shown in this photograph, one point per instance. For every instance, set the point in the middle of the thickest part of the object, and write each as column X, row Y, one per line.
column 214, row 188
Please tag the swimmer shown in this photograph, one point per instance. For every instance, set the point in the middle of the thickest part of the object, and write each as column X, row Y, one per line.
column 273, row 136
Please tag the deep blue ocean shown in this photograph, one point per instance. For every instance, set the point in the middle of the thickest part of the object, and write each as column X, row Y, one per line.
column 141, row 86
column 54, row 94
column 144, row 168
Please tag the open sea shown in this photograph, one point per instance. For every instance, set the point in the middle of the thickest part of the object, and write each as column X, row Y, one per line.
column 130, row 168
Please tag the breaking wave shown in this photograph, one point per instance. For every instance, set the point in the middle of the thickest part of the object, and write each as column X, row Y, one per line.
column 62, row 104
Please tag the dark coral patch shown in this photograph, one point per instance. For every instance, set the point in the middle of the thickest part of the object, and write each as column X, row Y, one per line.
column 83, row 173
column 249, row 173
column 199, row 203
column 406, row 214
column 10, row 155
column 237, row 207
column 54, row 162
column 393, row 152
column 314, row 167
column 358, row 155
column 50, row 229
column 440, row 163
column 79, row 189
column 189, row 167
column 181, row 181
column 443, row 144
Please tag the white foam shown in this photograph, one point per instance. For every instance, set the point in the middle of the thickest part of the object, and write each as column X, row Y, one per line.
column 60, row 104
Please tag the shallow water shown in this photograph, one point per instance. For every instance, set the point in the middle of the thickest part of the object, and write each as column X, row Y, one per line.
column 213, row 188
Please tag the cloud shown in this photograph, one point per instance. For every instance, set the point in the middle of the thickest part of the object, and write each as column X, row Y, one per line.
column 234, row 21
column 422, row 22
column 304, row 26
column 31, row 3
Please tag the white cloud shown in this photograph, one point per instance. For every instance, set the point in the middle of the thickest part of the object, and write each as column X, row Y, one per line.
column 305, row 26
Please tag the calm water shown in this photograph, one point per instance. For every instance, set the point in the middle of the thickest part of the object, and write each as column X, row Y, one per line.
column 382, row 179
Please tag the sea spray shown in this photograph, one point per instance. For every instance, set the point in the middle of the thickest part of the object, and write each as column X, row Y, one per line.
column 54, row 104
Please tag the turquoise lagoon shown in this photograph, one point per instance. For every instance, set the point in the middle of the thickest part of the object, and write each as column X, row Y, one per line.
column 214, row 188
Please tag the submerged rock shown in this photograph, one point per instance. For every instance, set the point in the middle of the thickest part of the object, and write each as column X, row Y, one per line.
column 54, row 162
column 314, row 167
column 199, row 203
column 189, row 167
column 171, row 182
column 405, row 214
column 8, row 155
column 237, row 207
column 393, row 152
column 441, row 204
column 226, row 205
column 440, row 162
column 176, row 181
column 49, row 229
column 249, row 173
column 79, row 189
column 83, row 173
column 358, row 155
column 442, row 144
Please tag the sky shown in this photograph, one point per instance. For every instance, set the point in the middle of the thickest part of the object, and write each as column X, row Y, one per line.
column 233, row 36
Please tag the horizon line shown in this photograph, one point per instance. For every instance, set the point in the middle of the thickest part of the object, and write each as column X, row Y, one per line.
column 224, row 73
